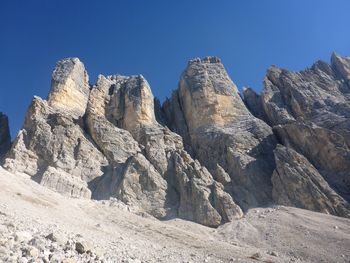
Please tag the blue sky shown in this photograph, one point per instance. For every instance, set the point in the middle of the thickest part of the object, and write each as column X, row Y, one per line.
column 156, row 38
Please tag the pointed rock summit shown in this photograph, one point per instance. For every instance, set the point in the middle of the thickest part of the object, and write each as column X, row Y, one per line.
column 342, row 66
column 221, row 131
column 52, row 145
column 69, row 87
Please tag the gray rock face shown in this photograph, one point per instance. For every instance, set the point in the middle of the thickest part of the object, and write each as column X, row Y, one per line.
column 311, row 113
column 175, row 119
column 162, row 173
column 5, row 138
column 341, row 65
column 221, row 130
column 254, row 103
column 52, row 146
column 50, row 139
column 201, row 198
column 102, row 121
column 142, row 186
column 319, row 95
column 69, row 87
column 130, row 176
column 325, row 149
column 202, row 155
column 296, row 182
column 65, row 183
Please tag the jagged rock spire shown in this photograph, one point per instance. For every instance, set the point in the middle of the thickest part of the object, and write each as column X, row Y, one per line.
column 221, row 131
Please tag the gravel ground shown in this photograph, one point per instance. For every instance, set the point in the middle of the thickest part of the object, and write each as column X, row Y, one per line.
column 39, row 225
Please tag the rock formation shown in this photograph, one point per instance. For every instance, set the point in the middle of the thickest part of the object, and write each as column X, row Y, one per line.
column 254, row 103
column 296, row 182
column 5, row 138
column 325, row 149
column 205, row 155
column 69, row 87
column 52, row 146
column 167, row 178
column 221, row 131
column 106, row 142
column 319, row 95
column 310, row 111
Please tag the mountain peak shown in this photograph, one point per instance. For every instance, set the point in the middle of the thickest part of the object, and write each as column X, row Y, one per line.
column 206, row 60
column 69, row 87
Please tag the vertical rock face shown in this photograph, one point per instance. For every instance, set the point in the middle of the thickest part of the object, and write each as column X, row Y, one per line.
column 5, row 138
column 69, row 87
column 132, row 178
column 208, row 96
column 170, row 182
column 327, row 150
column 253, row 102
column 202, row 155
column 310, row 110
column 341, row 65
column 175, row 119
column 319, row 95
column 103, row 118
column 221, row 130
column 296, row 182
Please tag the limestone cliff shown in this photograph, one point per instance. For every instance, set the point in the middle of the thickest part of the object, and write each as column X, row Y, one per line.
column 69, row 87
column 296, row 182
column 161, row 174
column 52, row 145
column 105, row 142
column 310, row 111
column 221, row 131
column 205, row 155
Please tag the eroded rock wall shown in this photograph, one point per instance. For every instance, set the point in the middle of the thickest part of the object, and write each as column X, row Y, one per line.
column 172, row 187
column 310, row 112
column 205, row 155
column 52, row 145
column 222, row 131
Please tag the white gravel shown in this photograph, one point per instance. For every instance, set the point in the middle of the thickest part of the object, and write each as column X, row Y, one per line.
column 39, row 225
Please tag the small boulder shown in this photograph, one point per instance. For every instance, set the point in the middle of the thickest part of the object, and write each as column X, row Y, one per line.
column 33, row 252
column 256, row 256
column 82, row 247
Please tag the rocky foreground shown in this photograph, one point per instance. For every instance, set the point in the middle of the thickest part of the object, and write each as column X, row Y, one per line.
column 209, row 155
column 39, row 225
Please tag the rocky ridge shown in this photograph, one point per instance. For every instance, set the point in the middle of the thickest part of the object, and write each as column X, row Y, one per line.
column 206, row 154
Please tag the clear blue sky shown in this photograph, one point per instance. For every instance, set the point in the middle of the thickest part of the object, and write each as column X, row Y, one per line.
column 157, row 37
